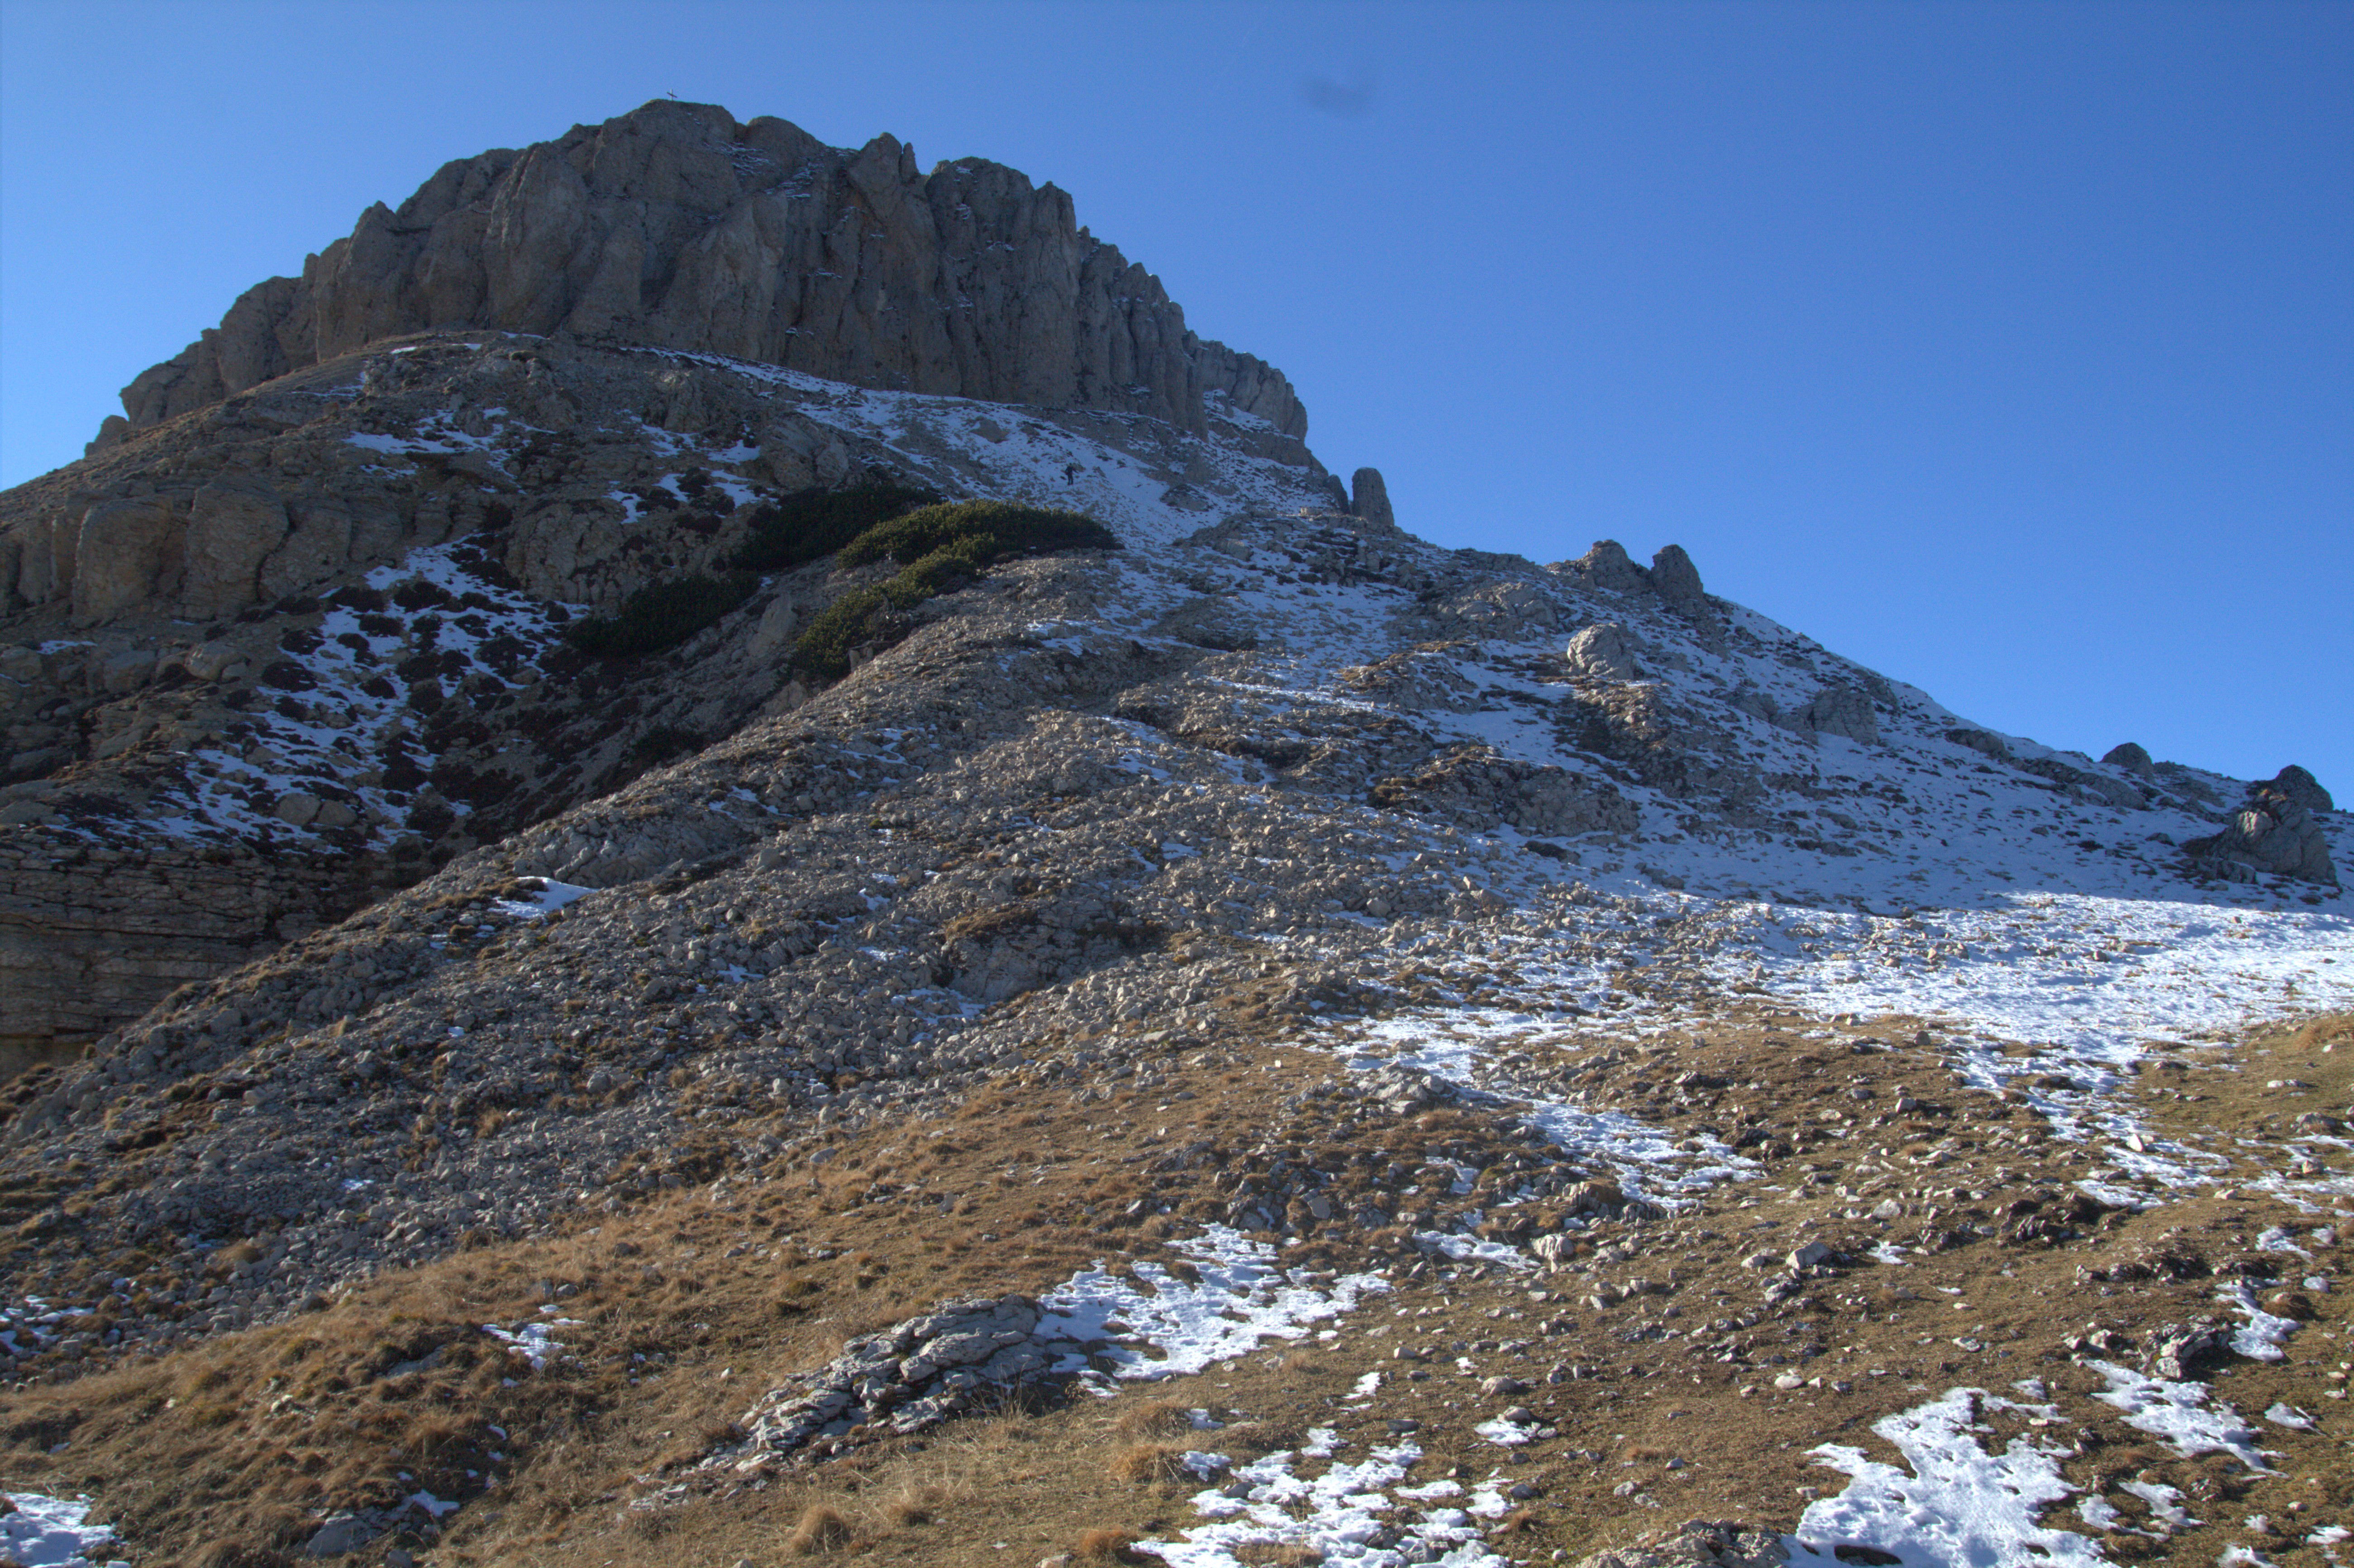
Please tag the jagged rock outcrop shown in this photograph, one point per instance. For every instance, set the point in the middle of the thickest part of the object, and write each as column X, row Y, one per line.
column 1677, row 582
column 1369, row 498
column 676, row 226
column 1606, row 567
column 2274, row 832
column 1671, row 578
column 291, row 651
column 2299, row 787
column 1603, row 652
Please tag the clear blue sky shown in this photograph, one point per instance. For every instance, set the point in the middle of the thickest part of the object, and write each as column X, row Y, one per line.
column 2007, row 348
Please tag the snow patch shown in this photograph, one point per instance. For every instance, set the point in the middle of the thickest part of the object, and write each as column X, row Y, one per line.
column 2177, row 1414
column 1958, row 1507
column 1160, row 1324
column 54, row 1532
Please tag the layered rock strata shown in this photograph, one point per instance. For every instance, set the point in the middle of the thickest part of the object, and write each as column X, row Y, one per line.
column 677, row 227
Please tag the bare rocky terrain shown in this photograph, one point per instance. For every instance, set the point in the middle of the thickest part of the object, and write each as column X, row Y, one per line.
column 554, row 1007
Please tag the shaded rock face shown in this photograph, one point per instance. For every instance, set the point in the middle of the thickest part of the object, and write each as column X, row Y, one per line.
column 2299, row 787
column 676, row 227
column 1369, row 498
column 92, row 934
column 2274, row 832
column 1677, row 582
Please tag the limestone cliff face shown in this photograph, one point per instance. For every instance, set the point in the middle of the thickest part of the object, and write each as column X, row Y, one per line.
column 675, row 226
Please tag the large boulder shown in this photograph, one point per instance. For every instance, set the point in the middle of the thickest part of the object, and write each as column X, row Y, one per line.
column 1603, row 652
column 2132, row 758
column 2274, row 832
column 233, row 526
column 1841, row 710
column 2298, row 788
column 122, row 551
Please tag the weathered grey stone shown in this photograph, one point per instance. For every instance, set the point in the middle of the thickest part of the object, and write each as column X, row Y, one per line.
column 1603, row 652
column 312, row 553
column 2299, row 787
column 210, row 660
column 1699, row 1544
column 1606, row 567
column 111, row 431
column 233, row 526
column 1370, row 498
column 676, row 224
column 1986, row 743
column 340, row 1534
column 2131, row 757
column 119, row 555
column 1841, row 710
column 1677, row 582
column 2273, row 833
column 1506, row 608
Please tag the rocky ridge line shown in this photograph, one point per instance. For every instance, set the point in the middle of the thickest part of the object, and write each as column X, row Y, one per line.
column 677, row 227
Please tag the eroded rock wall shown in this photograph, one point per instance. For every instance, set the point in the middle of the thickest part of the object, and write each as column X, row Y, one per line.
column 677, row 227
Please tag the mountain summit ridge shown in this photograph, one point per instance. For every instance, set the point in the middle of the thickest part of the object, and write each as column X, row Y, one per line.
column 677, row 227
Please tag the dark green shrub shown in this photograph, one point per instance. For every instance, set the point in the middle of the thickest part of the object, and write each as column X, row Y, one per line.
column 663, row 743
column 943, row 546
column 809, row 524
column 943, row 571
column 1011, row 527
column 824, row 648
column 659, row 616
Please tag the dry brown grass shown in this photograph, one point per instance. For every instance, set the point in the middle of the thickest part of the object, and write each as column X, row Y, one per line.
column 821, row 1528
column 303, row 1418
column 581, row 1436
column 916, row 1500
column 1143, row 1463
column 1277, row 1554
column 1104, row 1546
column 1154, row 1418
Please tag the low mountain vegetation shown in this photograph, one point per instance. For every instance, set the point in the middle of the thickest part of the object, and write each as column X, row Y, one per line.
column 943, row 547
column 661, row 615
column 812, row 524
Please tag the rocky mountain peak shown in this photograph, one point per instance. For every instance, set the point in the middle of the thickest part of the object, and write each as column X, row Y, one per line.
column 676, row 227
column 601, row 935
